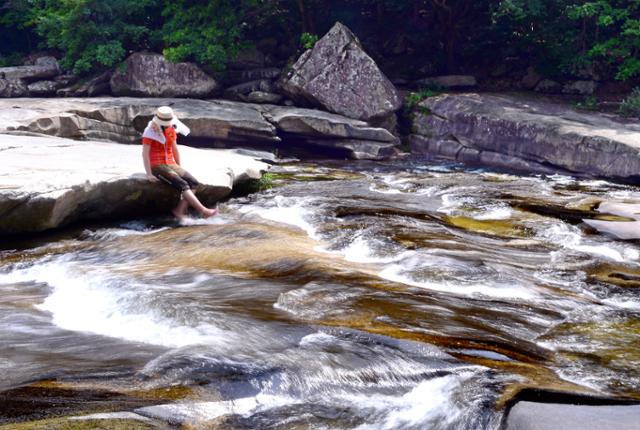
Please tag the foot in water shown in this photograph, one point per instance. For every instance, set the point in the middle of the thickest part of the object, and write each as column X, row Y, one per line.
column 179, row 214
column 209, row 213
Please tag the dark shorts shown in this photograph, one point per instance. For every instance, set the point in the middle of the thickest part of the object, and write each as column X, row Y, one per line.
column 175, row 176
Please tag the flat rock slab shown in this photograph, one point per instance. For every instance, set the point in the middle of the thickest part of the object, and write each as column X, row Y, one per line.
column 51, row 182
column 553, row 416
column 625, row 230
column 213, row 123
column 482, row 128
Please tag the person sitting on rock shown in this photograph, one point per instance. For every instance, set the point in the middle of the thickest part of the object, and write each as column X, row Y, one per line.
column 162, row 160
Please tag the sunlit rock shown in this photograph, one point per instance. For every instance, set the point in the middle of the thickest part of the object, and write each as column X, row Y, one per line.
column 51, row 182
column 151, row 75
column 528, row 135
column 338, row 76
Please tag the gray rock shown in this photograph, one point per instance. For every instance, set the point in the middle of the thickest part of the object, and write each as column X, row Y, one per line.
column 531, row 79
column 264, row 97
column 552, row 416
column 66, row 80
column 449, row 82
column 548, row 86
column 44, row 67
column 531, row 135
column 213, row 123
column 99, row 181
column 338, row 76
column 151, row 75
column 43, row 88
column 584, row 88
column 240, row 91
column 310, row 123
column 96, row 86
column 13, row 88
column 358, row 149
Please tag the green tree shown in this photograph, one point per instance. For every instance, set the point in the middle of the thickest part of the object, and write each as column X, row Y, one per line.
column 93, row 34
column 207, row 32
column 610, row 34
column 18, row 38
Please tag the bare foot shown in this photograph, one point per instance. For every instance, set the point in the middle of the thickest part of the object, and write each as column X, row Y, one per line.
column 207, row 213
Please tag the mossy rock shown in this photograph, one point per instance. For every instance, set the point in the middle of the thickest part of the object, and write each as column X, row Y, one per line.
column 501, row 228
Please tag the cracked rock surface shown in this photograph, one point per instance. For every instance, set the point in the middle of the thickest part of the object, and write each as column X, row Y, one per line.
column 337, row 75
column 526, row 135
column 214, row 123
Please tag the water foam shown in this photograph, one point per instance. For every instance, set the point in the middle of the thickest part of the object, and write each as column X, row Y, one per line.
column 97, row 302
column 429, row 404
column 286, row 210
column 399, row 273
column 571, row 237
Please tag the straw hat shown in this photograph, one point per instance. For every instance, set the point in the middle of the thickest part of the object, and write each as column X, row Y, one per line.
column 164, row 116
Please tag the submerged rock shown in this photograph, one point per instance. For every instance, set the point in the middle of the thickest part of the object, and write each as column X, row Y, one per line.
column 625, row 230
column 338, row 76
column 527, row 135
column 96, row 180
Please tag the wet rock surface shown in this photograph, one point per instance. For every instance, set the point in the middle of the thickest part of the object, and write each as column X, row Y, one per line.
column 338, row 76
column 527, row 135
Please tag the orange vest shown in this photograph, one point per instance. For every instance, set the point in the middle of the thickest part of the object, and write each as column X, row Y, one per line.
column 159, row 153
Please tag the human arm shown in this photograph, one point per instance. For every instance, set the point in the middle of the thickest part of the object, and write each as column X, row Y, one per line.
column 176, row 153
column 147, row 164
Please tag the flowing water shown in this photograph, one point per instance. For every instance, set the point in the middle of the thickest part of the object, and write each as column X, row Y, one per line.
column 350, row 295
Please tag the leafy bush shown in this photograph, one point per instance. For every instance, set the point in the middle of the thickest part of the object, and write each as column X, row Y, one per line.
column 412, row 99
column 630, row 106
column 588, row 103
column 308, row 40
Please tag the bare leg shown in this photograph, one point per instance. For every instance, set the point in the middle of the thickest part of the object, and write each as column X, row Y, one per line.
column 180, row 211
column 195, row 203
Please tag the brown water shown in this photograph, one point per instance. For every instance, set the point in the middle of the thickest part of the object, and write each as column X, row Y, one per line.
column 363, row 296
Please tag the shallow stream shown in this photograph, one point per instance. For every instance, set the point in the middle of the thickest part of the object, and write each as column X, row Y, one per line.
column 350, row 295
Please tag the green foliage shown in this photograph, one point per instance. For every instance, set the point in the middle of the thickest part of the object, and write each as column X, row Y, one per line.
column 308, row 40
column 412, row 99
column 555, row 36
column 94, row 35
column 631, row 105
column 207, row 32
column 610, row 34
column 589, row 103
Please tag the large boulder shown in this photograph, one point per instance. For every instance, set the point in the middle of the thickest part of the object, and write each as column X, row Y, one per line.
column 43, row 68
column 338, row 76
column 97, row 180
column 526, row 134
column 151, row 75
